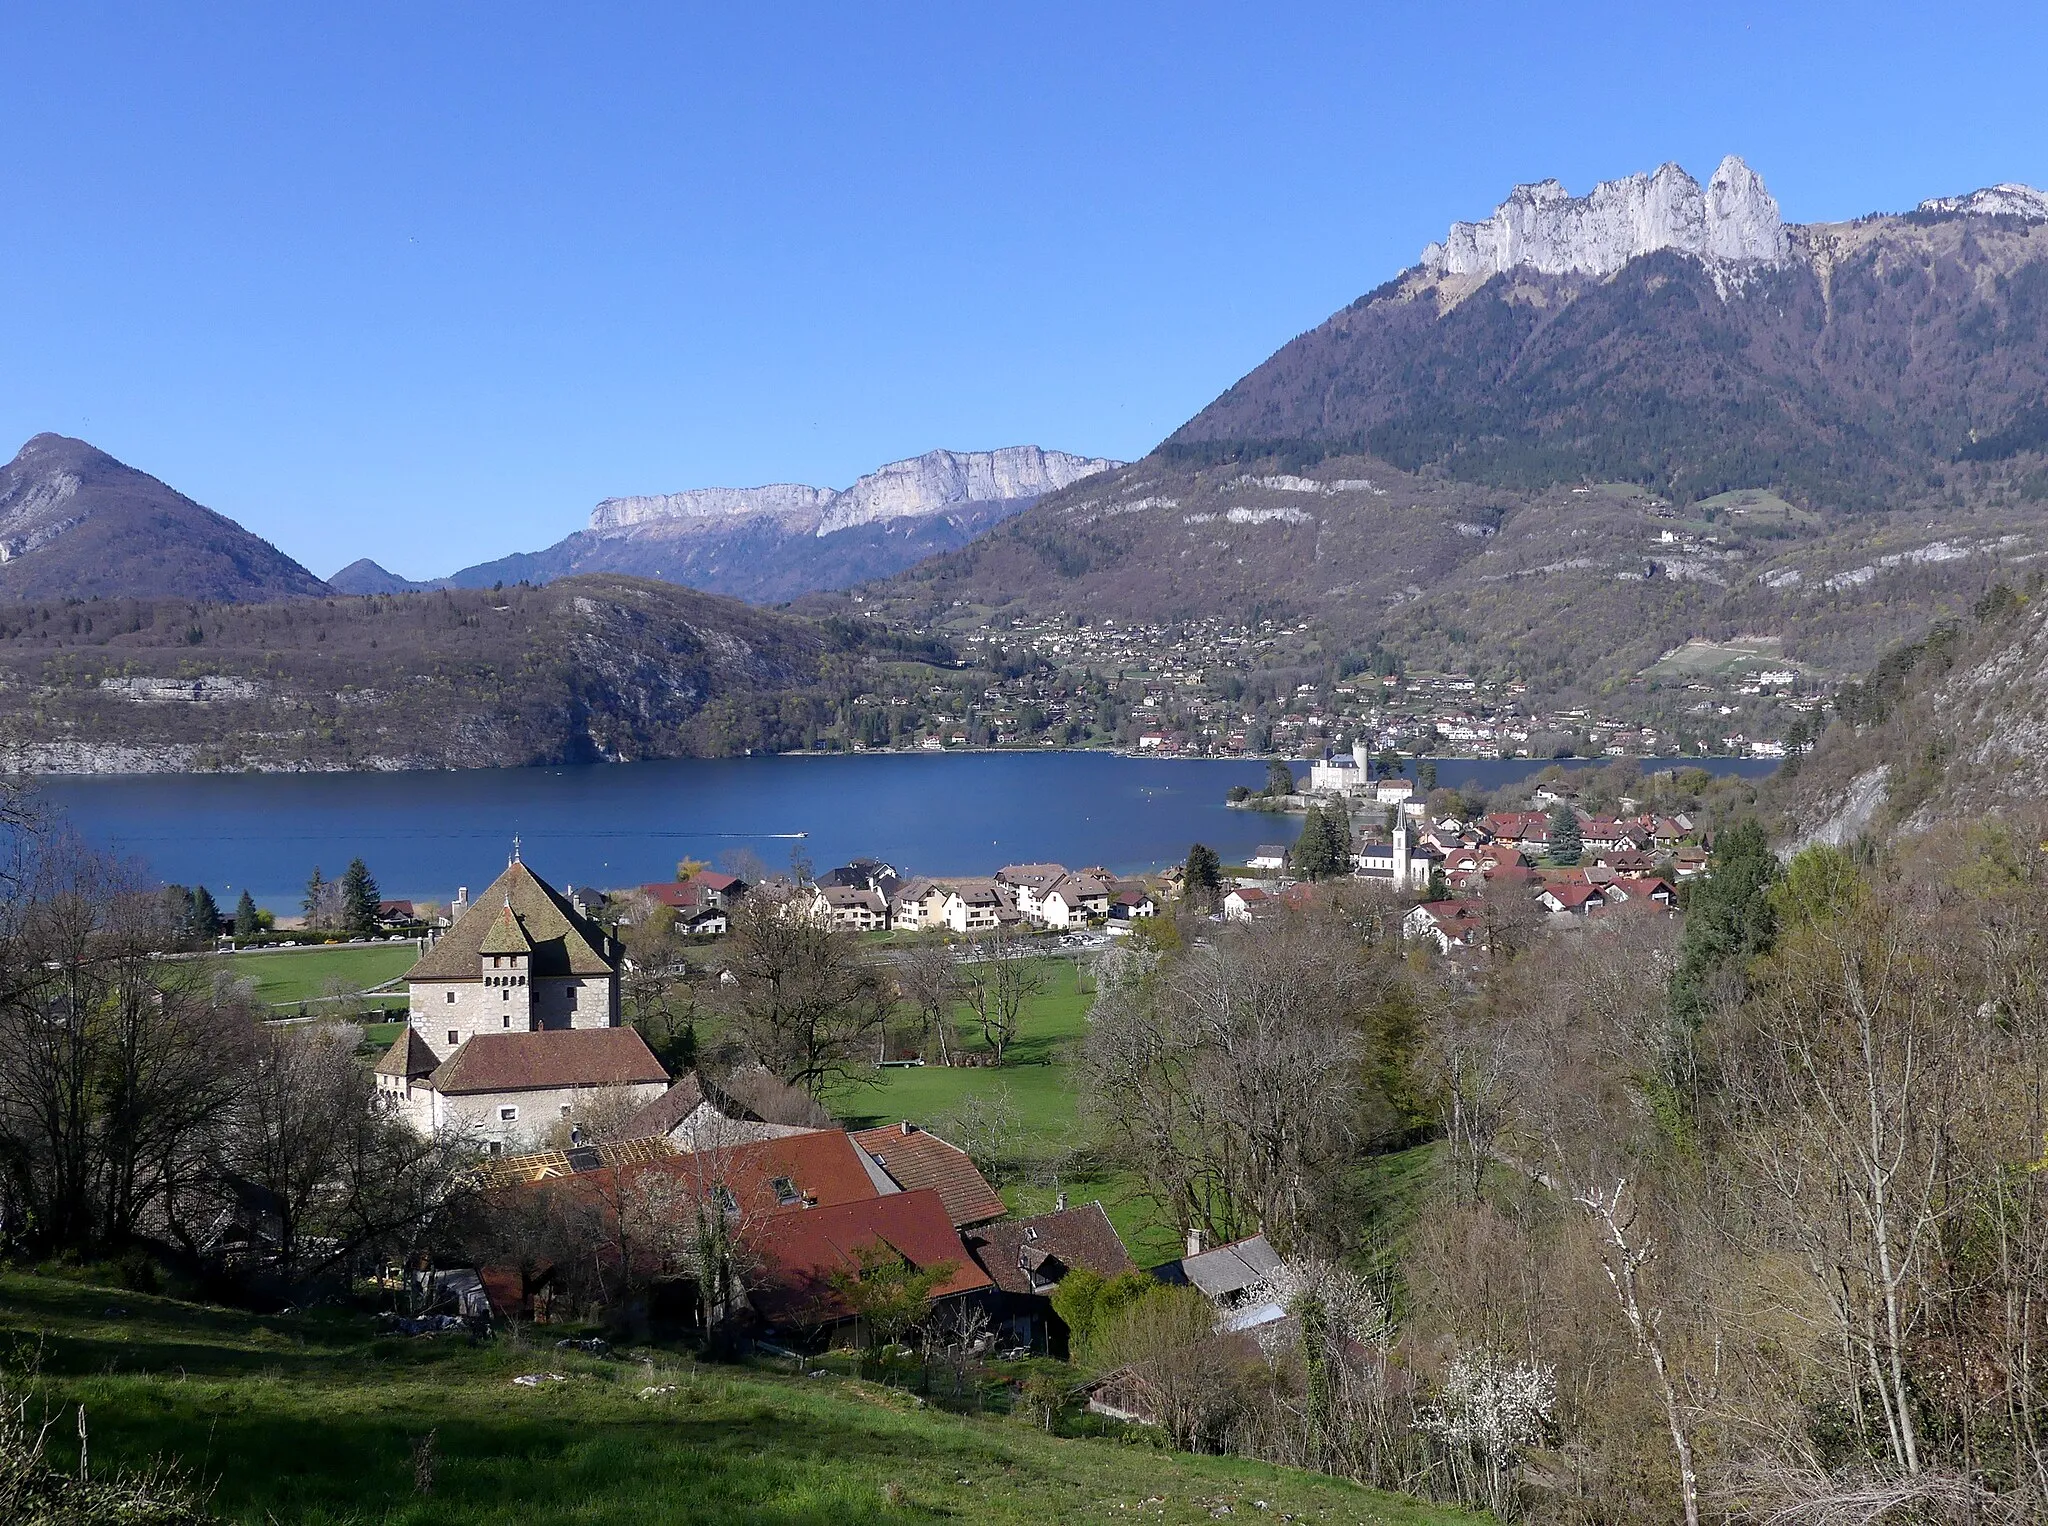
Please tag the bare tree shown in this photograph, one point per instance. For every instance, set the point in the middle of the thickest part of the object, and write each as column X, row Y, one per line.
column 1000, row 979
column 928, row 975
column 803, row 998
column 1229, row 1073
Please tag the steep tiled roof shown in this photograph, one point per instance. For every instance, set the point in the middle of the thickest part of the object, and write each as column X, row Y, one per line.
column 1076, row 1238
column 409, row 1057
column 508, row 1062
column 506, row 936
column 667, row 1110
column 915, row 1159
column 800, row 1250
column 564, row 943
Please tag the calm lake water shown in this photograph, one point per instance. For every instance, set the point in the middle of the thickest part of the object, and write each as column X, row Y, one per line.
column 424, row 834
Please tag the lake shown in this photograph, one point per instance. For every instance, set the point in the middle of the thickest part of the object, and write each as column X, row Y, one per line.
column 424, row 834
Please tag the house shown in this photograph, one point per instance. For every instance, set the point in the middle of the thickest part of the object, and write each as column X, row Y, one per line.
column 1648, row 892
column 1528, row 827
column 977, row 906
column 917, row 904
column 863, row 874
column 1392, row 791
column 1026, row 1259
column 849, row 909
column 519, row 959
column 1270, row 856
column 1240, row 1279
column 396, row 914
column 718, row 889
column 916, row 1160
column 1603, row 834
column 1689, row 862
column 1029, row 883
column 509, row 1091
column 1626, row 863
column 1131, row 905
column 1077, row 899
column 1448, row 924
column 1243, row 903
column 1571, row 897
column 746, row 1105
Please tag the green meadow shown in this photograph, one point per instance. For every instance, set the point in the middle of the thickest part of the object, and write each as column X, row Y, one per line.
column 315, row 1419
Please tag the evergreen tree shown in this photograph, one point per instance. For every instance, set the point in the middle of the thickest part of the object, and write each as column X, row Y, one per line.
column 1310, row 852
column 316, row 896
column 1201, row 878
column 1425, row 775
column 1337, row 840
column 1729, row 922
column 360, row 900
column 203, row 917
column 1279, row 778
column 246, row 923
column 1567, row 842
column 177, row 913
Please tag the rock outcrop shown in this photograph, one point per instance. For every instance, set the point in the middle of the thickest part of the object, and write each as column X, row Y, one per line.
column 1545, row 228
column 931, row 483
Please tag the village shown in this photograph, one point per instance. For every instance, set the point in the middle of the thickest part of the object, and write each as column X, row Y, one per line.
column 1209, row 687
column 518, row 1039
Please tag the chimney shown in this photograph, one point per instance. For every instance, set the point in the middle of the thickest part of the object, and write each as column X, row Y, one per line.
column 460, row 905
column 1195, row 1238
column 1059, row 1204
column 907, row 1126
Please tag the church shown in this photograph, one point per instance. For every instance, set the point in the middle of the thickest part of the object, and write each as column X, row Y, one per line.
column 513, row 1027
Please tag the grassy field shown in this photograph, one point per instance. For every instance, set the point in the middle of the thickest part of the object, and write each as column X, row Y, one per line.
column 314, row 1420
column 301, row 974
column 1038, row 1079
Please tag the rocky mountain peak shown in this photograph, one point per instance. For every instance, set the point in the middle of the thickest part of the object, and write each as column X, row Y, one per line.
column 2006, row 199
column 1542, row 226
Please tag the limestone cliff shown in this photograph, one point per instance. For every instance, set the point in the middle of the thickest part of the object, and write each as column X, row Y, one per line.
column 1545, row 228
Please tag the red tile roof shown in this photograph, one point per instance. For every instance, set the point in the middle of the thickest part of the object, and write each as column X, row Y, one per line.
column 915, row 1159
column 798, row 1251
column 824, row 1170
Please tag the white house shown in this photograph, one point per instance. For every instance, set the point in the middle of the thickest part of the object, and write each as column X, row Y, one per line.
column 842, row 906
column 1269, row 855
column 510, row 1091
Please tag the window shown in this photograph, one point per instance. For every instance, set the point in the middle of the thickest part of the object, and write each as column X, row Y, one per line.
column 508, row 1115
column 496, row 1148
column 505, row 994
column 785, row 1192
column 565, row 1109
column 722, row 1196
column 508, row 1019
column 454, row 1037
column 571, row 996
column 451, row 998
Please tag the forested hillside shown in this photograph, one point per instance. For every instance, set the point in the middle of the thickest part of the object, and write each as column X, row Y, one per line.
column 587, row 669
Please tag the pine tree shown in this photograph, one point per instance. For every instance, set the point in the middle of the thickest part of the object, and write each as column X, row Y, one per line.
column 246, row 923
column 316, row 896
column 360, row 901
column 1279, row 778
column 1567, row 842
column 1201, row 877
column 203, row 916
column 1311, row 851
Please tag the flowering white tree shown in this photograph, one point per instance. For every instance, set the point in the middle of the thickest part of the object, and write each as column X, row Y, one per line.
column 1485, row 1414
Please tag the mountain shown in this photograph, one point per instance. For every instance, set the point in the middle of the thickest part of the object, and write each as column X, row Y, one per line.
column 364, row 576
column 76, row 523
column 1947, row 728
column 1583, row 431
column 588, row 669
column 769, row 544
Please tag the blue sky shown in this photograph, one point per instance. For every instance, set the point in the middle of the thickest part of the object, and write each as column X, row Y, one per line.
column 424, row 282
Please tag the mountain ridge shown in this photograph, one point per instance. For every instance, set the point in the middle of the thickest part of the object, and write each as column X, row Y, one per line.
column 773, row 543
column 77, row 523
